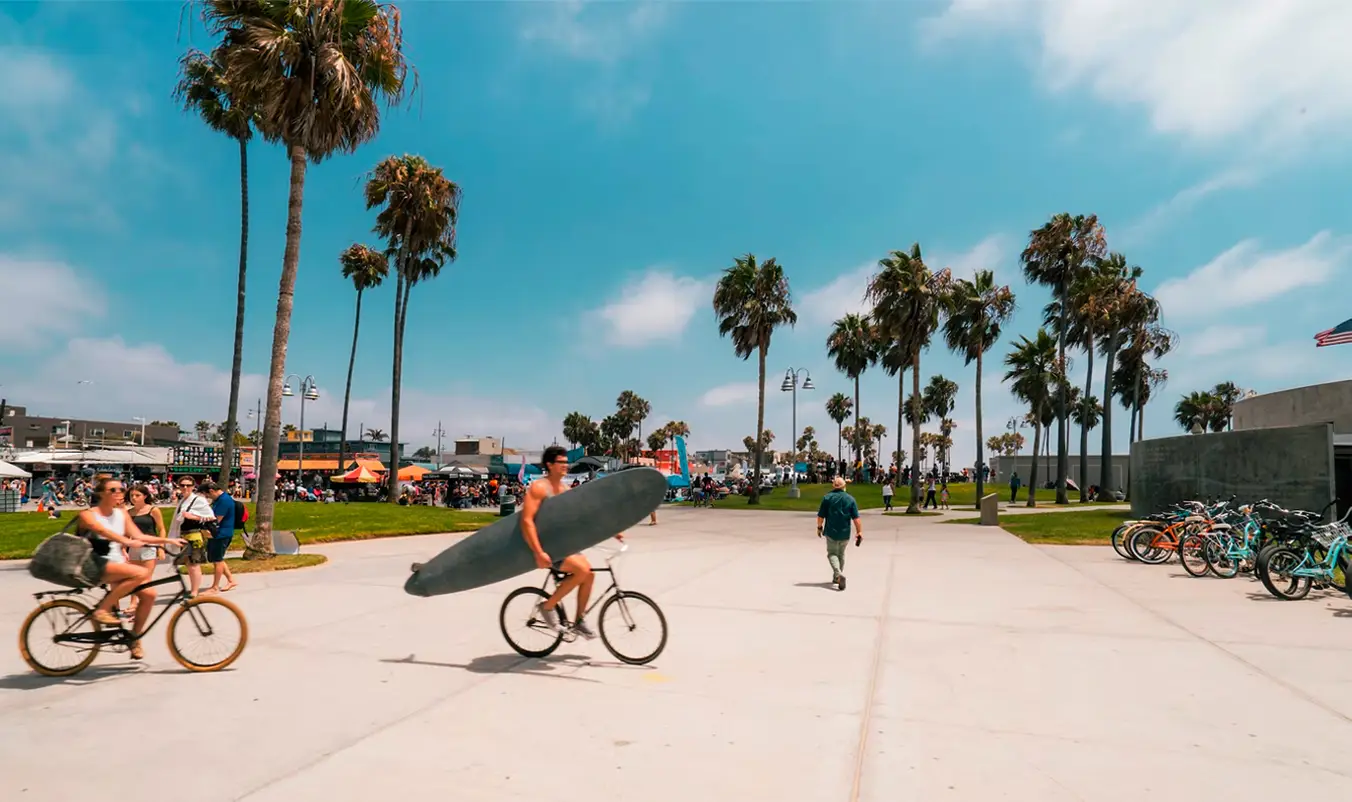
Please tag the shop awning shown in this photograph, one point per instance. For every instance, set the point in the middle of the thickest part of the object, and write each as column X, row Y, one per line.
column 412, row 473
column 310, row 465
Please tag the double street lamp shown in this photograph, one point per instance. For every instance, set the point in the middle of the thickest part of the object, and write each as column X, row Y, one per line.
column 308, row 392
column 790, row 385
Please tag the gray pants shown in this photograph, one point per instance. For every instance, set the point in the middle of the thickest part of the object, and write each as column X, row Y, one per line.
column 835, row 554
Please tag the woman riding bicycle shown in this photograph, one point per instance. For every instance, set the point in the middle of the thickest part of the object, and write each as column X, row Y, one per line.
column 109, row 528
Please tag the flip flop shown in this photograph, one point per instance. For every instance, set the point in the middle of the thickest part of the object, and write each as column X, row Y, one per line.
column 229, row 588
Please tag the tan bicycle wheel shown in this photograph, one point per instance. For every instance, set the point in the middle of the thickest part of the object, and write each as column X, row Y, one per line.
column 197, row 613
column 76, row 611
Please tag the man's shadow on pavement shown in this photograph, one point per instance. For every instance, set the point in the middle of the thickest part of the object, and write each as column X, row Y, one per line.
column 825, row 585
column 511, row 663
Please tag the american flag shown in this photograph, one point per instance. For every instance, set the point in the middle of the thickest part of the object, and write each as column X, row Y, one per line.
column 1338, row 335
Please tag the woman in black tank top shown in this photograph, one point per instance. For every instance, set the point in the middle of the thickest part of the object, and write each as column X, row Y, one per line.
column 147, row 519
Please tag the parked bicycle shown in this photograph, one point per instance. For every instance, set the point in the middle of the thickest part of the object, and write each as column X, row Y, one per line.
column 64, row 625
column 620, row 616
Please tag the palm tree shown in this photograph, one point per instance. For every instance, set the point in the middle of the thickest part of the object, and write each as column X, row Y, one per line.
column 978, row 310
column 202, row 428
column 1057, row 254
column 635, row 408
column 577, row 428
column 751, row 300
column 420, row 209
column 838, row 408
column 938, row 399
column 366, row 268
column 377, row 435
column 908, row 300
column 1032, row 371
column 1228, row 394
column 853, row 347
column 1086, row 412
column 203, row 88
column 318, row 71
column 677, row 428
column 657, row 439
column 1126, row 307
column 290, row 428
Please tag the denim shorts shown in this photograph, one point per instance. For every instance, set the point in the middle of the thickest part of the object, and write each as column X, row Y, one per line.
column 216, row 547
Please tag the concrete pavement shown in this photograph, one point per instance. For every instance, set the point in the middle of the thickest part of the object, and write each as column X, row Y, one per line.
column 961, row 664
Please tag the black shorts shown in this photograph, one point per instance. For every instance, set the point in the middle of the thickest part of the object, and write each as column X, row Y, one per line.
column 216, row 547
column 92, row 570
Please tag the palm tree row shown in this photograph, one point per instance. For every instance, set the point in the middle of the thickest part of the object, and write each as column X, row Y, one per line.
column 1212, row 410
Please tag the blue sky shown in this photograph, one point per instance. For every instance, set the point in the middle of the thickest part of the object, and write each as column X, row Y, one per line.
column 616, row 156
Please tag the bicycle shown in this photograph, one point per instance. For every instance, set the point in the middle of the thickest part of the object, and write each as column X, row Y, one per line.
column 85, row 637
column 626, row 603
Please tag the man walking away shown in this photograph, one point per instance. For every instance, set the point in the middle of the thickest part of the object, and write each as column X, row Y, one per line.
column 1014, row 485
column 838, row 509
column 887, row 494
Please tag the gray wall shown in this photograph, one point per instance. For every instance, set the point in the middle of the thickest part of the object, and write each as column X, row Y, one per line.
column 1319, row 403
column 1292, row 466
column 1047, row 469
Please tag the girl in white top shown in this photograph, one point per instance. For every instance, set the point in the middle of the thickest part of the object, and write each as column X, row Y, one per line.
column 109, row 528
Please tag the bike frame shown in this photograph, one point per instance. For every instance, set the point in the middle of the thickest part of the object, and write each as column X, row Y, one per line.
column 558, row 576
column 121, row 634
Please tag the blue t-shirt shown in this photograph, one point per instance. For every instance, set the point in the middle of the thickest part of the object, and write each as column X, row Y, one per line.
column 224, row 508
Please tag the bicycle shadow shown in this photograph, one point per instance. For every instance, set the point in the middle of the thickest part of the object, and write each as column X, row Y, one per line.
column 90, row 676
column 511, row 663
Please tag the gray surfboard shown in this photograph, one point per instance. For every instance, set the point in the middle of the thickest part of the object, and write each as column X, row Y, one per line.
column 567, row 523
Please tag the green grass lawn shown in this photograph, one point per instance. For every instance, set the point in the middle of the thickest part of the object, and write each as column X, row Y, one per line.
column 282, row 562
column 962, row 494
column 1079, row 528
column 21, row 532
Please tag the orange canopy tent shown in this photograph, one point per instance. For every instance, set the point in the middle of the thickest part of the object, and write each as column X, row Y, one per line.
column 358, row 474
column 412, row 473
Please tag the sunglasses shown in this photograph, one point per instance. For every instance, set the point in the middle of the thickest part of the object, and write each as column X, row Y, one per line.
column 113, row 490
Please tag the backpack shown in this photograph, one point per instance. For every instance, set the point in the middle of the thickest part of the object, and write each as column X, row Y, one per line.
column 241, row 516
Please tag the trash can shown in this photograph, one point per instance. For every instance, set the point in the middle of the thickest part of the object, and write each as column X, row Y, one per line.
column 506, row 504
column 9, row 501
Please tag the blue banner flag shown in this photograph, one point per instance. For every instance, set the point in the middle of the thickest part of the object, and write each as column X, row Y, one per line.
column 680, row 453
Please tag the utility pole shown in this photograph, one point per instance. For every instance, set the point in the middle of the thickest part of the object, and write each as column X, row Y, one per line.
column 440, row 432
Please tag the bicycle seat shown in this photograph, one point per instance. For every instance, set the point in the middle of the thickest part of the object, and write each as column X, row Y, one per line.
column 1221, row 527
column 1195, row 519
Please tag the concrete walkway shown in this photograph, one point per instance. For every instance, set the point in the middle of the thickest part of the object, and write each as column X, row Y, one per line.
column 961, row 664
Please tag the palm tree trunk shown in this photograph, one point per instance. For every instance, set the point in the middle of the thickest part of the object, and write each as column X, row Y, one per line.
column 400, row 316
column 754, row 497
column 1032, row 470
column 281, row 332
column 980, row 444
column 913, row 508
column 840, row 438
column 1106, row 459
column 858, row 447
column 232, row 415
column 347, row 389
column 901, row 420
column 1062, row 443
column 1084, row 427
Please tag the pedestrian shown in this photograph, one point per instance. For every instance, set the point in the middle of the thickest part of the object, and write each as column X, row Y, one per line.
column 1014, row 485
column 223, row 507
column 193, row 521
column 837, row 511
column 943, row 496
column 887, row 494
column 929, row 492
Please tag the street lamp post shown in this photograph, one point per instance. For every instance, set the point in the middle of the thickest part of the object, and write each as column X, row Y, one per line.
column 307, row 393
column 1014, row 425
column 790, row 385
column 143, row 429
column 439, row 433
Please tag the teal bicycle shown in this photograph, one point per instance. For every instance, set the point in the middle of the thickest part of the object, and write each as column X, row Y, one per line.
column 1319, row 555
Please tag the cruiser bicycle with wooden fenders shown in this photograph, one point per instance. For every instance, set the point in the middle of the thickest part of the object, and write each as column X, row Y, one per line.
column 61, row 638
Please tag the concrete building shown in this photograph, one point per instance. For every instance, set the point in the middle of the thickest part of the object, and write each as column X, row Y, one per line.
column 470, row 445
column 321, row 450
column 20, row 430
column 1293, row 447
column 1002, row 467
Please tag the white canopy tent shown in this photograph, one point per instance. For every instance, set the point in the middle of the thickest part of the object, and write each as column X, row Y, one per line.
column 103, row 456
column 10, row 471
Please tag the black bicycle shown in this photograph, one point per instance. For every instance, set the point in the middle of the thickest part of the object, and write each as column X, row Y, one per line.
column 622, row 612
column 65, row 625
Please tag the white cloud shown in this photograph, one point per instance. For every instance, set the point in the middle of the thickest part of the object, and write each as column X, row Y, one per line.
column 197, row 390
column 31, row 80
column 842, row 296
column 1206, row 70
column 1223, row 339
column 730, row 394
column 656, row 306
column 1245, row 275
column 606, row 35
column 988, row 254
column 42, row 297
column 1187, row 199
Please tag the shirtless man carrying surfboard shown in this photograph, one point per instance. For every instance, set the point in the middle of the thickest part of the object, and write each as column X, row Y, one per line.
column 576, row 566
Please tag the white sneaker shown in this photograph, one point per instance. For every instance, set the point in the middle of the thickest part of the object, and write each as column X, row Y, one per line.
column 550, row 617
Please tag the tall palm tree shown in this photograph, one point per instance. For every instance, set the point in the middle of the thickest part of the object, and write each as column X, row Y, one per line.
column 908, row 300
column 1086, row 412
column 578, row 429
column 838, row 408
column 677, row 428
column 751, row 300
column 1032, row 369
column 203, row 88
column 420, row 209
column 366, row 268
column 1056, row 255
column 853, row 347
column 939, row 398
column 978, row 310
column 1126, row 307
column 377, row 435
column 317, row 71
column 635, row 408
